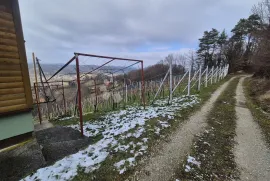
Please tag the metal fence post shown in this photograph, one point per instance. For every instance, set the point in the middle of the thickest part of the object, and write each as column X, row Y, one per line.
column 79, row 93
column 171, row 82
column 220, row 73
column 206, row 77
column 216, row 75
column 142, row 85
column 126, row 93
column 64, row 99
column 189, row 75
column 212, row 74
column 200, row 76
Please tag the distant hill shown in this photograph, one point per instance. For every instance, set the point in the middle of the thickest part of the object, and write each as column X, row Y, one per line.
column 50, row 69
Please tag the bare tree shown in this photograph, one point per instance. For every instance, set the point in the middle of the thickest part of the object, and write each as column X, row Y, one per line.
column 263, row 10
column 191, row 58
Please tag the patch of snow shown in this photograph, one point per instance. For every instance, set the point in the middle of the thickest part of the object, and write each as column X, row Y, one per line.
column 145, row 140
column 157, row 130
column 66, row 118
column 193, row 161
column 206, row 143
column 188, row 168
column 120, row 163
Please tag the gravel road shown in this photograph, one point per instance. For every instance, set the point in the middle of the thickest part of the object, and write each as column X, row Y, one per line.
column 252, row 154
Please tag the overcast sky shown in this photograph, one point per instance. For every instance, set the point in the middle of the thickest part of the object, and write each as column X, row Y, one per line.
column 141, row 29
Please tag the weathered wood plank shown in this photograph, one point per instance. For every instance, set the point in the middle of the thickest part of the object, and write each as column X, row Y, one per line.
column 10, row 67
column 11, row 85
column 6, row 23
column 8, row 48
column 11, row 96
column 13, row 108
column 12, row 102
column 7, row 29
column 9, row 61
column 10, row 42
column 11, row 79
column 9, row 73
column 7, row 35
column 6, row 16
column 22, row 53
column 9, row 54
column 11, row 91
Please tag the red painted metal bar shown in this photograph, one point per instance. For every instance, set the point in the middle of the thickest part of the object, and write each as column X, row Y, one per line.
column 99, row 56
column 143, row 88
column 73, row 58
column 79, row 93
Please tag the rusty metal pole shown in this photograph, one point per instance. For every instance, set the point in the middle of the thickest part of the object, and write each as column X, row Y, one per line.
column 79, row 93
column 39, row 114
column 143, row 88
column 36, row 88
column 64, row 99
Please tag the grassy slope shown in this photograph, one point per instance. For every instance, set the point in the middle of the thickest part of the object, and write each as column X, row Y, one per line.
column 256, row 109
column 213, row 148
column 107, row 170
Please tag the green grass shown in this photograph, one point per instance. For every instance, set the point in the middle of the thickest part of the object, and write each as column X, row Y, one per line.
column 256, row 109
column 214, row 148
column 75, row 120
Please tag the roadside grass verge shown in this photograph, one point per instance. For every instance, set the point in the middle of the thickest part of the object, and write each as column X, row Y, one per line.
column 260, row 116
column 211, row 157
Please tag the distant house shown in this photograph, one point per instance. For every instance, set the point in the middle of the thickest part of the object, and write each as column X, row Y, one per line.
column 15, row 91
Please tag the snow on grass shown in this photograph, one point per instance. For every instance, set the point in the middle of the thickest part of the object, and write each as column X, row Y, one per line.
column 66, row 118
column 188, row 168
column 121, row 164
column 192, row 161
column 116, row 129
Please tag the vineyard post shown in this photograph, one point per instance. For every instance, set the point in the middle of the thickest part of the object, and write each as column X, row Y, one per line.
column 64, row 99
column 200, row 76
column 216, row 75
column 189, row 75
column 170, row 82
column 206, row 77
column 126, row 94
column 212, row 74
column 79, row 93
column 143, row 86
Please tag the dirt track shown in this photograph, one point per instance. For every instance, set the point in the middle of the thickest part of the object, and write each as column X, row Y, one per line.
column 162, row 165
column 252, row 154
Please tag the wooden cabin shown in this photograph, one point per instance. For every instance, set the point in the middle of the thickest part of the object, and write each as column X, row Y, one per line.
column 16, row 101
